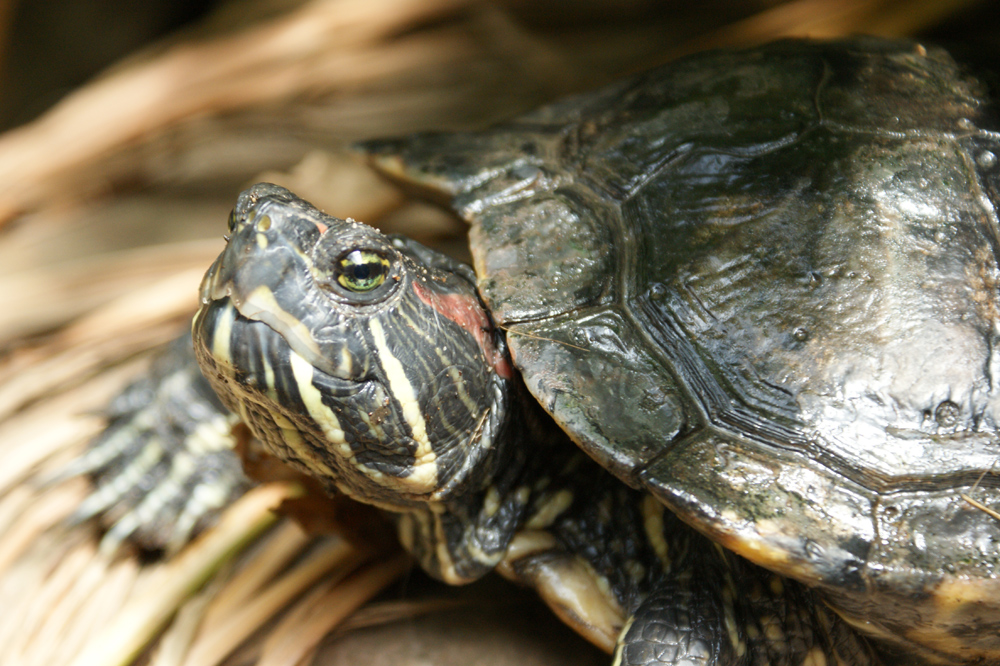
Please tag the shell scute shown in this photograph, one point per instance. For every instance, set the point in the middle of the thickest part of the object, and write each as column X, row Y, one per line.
column 801, row 252
column 791, row 253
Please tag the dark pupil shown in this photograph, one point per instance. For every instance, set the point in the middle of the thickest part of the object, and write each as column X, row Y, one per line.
column 361, row 270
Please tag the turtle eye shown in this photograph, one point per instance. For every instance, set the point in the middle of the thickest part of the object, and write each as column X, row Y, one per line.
column 362, row 270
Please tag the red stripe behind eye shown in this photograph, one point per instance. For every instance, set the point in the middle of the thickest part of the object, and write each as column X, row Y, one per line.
column 466, row 311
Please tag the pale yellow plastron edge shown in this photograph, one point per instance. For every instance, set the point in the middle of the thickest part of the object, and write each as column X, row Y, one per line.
column 570, row 586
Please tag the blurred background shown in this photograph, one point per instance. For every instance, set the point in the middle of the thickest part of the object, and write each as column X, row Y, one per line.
column 50, row 48
column 133, row 124
column 129, row 128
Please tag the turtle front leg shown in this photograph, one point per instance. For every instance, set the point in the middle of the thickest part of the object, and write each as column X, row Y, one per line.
column 713, row 608
column 611, row 565
column 568, row 584
column 696, row 622
column 632, row 578
column 165, row 466
column 680, row 624
column 586, row 555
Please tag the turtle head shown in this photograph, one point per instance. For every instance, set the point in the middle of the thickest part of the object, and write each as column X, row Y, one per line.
column 365, row 360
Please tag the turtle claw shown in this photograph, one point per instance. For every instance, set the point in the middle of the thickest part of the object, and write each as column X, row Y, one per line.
column 164, row 467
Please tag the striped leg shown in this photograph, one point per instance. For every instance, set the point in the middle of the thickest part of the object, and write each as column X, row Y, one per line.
column 164, row 467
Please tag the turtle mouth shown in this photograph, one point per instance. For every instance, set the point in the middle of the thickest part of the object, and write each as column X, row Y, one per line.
column 255, row 352
column 243, row 358
column 261, row 378
column 231, row 315
column 239, row 357
column 232, row 344
column 259, row 278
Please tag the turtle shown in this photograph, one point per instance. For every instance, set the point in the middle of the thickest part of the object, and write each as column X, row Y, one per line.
column 721, row 384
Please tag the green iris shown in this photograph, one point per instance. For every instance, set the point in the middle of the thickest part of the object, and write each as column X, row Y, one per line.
column 362, row 270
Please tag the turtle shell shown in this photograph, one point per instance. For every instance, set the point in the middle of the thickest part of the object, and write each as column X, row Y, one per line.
column 763, row 286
